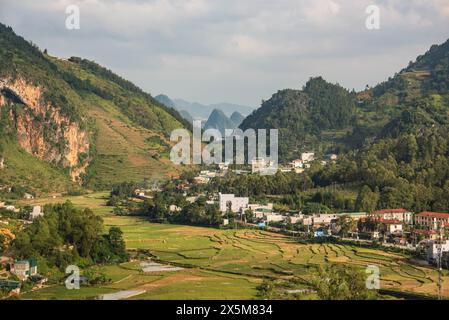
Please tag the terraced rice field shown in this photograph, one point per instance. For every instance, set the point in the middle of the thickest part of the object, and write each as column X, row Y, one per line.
column 230, row 264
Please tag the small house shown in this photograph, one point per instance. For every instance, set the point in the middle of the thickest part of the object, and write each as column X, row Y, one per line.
column 36, row 213
column 24, row 268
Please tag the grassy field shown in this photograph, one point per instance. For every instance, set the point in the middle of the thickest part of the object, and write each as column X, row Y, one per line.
column 230, row 264
column 21, row 168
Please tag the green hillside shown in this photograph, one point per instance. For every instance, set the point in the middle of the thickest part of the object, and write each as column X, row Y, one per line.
column 76, row 119
column 393, row 144
column 316, row 116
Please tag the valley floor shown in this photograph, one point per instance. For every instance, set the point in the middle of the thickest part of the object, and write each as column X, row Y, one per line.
column 227, row 264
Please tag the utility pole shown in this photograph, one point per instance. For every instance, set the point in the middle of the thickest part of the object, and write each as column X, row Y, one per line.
column 440, row 261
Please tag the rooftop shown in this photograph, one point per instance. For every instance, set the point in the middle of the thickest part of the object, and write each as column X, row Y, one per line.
column 397, row 210
column 386, row 221
column 434, row 215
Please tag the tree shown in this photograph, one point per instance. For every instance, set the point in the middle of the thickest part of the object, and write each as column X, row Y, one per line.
column 249, row 216
column 118, row 247
column 266, row 290
column 345, row 224
column 342, row 282
column 65, row 234
column 366, row 200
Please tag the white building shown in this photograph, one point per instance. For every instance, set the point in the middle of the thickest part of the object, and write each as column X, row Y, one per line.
column 319, row 219
column 174, row 208
column 307, row 157
column 325, row 219
column 433, row 247
column 432, row 220
column 392, row 226
column 28, row 196
column 296, row 164
column 230, row 201
column 356, row 216
column 202, row 180
column 260, row 207
column 223, row 166
column 400, row 214
column 261, row 165
column 12, row 208
column 24, row 269
column 293, row 219
column 191, row 199
column 36, row 213
column 274, row 217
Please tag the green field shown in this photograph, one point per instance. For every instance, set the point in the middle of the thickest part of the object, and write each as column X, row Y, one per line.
column 230, row 264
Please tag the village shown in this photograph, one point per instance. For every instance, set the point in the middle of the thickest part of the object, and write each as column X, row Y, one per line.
column 427, row 232
column 22, row 271
column 423, row 232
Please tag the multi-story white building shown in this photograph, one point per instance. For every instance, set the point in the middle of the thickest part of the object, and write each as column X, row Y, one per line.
column 24, row 269
column 319, row 219
column 433, row 247
column 400, row 214
column 230, row 201
column 325, row 219
column 432, row 220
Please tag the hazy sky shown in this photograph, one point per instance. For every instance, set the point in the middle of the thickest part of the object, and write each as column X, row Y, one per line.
column 238, row 51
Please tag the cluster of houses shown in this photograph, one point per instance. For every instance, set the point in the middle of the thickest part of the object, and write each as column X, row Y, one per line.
column 35, row 213
column 9, row 207
column 261, row 165
column 394, row 226
column 8, row 189
column 24, row 270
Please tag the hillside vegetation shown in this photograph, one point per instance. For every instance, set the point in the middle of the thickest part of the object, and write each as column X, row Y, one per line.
column 79, row 122
column 392, row 139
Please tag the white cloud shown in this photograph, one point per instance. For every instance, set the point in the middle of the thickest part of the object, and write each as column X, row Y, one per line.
column 321, row 11
column 242, row 51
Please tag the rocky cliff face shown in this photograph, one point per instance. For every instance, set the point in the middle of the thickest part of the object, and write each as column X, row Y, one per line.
column 42, row 130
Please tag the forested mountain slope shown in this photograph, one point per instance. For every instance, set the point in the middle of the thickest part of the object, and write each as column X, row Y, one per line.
column 80, row 122
column 392, row 139
column 304, row 117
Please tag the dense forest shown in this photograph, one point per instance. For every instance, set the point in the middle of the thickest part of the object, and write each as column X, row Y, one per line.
column 303, row 115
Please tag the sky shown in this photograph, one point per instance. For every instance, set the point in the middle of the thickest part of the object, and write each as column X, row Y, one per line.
column 238, row 51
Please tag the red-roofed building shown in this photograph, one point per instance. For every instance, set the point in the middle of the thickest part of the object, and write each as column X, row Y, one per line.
column 400, row 214
column 425, row 234
column 432, row 220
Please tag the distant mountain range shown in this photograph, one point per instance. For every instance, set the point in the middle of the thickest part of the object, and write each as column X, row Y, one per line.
column 201, row 111
column 237, row 118
column 218, row 120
